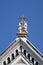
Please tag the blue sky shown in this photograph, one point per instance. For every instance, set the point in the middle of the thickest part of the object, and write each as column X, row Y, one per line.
column 10, row 10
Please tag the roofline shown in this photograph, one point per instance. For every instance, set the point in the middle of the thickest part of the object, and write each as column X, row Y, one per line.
column 23, row 41
column 35, row 49
column 7, row 47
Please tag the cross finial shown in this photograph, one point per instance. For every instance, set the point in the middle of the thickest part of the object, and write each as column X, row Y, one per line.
column 22, row 17
column 22, row 28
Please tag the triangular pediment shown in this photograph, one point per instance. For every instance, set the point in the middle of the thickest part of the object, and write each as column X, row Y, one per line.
column 22, row 41
column 26, row 45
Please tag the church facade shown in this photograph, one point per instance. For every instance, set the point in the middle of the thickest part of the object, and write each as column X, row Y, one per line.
column 21, row 51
